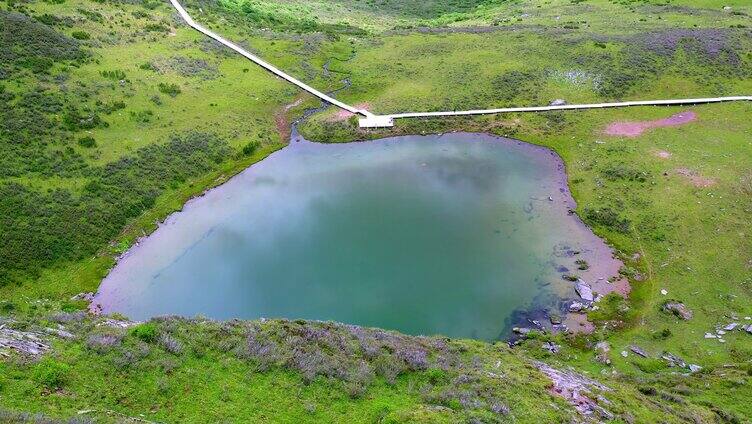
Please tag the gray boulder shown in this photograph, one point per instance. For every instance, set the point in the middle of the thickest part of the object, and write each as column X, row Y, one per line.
column 583, row 289
column 678, row 309
column 638, row 351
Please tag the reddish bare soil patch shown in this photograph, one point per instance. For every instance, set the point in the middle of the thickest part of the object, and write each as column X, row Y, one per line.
column 695, row 178
column 282, row 121
column 636, row 128
column 662, row 154
column 343, row 115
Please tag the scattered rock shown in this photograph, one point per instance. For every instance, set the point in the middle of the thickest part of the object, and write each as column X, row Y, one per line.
column 731, row 327
column 555, row 319
column 720, row 332
column 710, row 336
column 624, row 353
column 664, row 292
column 558, row 102
column 673, row 360
column 109, row 322
column 551, row 347
column 576, row 307
column 584, row 290
column 638, row 351
column 726, row 7
column 678, row 309
column 25, row 343
column 521, row 331
column 694, row 368
column 83, row 296
column 577, row 390
column 747, row 328
column 602, row 349
column 59, row 332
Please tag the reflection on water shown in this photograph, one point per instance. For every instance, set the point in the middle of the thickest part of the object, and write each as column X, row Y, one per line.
column 438, row 234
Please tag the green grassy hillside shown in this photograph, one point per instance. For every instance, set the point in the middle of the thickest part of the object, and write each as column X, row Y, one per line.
column 114, row 113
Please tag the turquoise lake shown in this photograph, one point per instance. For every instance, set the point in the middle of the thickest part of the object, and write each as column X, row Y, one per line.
column 445, row 234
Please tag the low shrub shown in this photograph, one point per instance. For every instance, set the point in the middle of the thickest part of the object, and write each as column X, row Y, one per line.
column 607, row 217
column 87, row 142
column 171, row 90
column 80, row 35
column 251, row 147
column 145, row 332
column 51, row 374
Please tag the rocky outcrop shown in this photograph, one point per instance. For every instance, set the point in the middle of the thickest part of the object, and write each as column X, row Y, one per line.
column 584, row 290
column 21, row 342
column 678, row 309
column 578, row 390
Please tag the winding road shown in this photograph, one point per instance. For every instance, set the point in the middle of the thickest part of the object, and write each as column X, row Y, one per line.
column 369, row 120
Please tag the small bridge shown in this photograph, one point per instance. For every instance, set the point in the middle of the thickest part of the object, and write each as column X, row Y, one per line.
column 369, row 120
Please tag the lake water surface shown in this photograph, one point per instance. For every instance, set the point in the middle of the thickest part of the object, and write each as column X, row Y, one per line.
column 423, row 234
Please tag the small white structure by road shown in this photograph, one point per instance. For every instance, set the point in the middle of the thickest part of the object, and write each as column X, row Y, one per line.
column 376, row 121
column 369, row 120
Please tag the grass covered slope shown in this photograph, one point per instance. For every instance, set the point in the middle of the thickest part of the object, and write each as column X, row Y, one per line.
column 112, row 116
column 114, row 113
column 179, row 370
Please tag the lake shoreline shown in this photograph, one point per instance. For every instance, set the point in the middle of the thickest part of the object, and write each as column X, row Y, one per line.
column 600, row 259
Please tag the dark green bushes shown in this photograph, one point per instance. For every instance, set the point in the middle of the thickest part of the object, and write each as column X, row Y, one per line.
column 171, row 90
column 624, row 172
column 115, row 74
column 80, row 35
column 27, row 42
column 607, row 217
column 40, row 228
column 251, row 147
column 87, row 142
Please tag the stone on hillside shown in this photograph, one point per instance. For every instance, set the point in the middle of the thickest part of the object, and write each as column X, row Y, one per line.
column 83, row 296
column 583, row 289
column 576, row 307
column 694, row 368
column 602, row 349
column 748, row 328
column 521, row 330
column 624, row 353
column 673, row 360
column 638, row 351
column 558, row 102
column 731, row 326
column 551, row 347
column 679, row 309
column 555, row 319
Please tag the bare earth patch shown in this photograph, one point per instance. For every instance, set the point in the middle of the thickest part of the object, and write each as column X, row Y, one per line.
column 282, row 121
column 662, row 154
column 695, row 178
column 636, row 128
column 343, row 115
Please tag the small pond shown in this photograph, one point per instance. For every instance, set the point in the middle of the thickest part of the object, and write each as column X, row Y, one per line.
column 449, row 234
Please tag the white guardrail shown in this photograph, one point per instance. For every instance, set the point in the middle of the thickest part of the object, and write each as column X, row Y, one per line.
column 369, row 120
